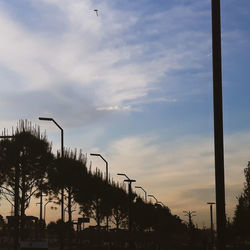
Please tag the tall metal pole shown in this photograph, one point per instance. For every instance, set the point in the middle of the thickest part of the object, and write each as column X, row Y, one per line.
column 106, row 163
column 107, row 178
column 130, row 219
column 150, row 195
column 212, row 224
column 130, row 214
column 218, row 126
column 62, row 191
column 162, row 204
column 41, row 207
column 145, row 193
column 44, row 210
column 17, row 177
column 41, row 203
column 130, row 203
column 62, row 155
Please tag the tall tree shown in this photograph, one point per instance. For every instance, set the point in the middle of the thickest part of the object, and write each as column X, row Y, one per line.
column 68, row 173
column 119, row 205
column 29, row 152
column 91, row 197
column 242, row 211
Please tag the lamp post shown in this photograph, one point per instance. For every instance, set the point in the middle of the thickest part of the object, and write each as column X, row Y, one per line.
column 41, row 203
column 62, row 154
column 159, row 202
column 212, row 224
column 218, row 125
column 150, row 195
column 130, row 181
column 44, row 210
column 99, row 155
column 143, row 191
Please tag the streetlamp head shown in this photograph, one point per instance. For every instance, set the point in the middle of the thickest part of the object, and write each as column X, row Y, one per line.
column 123, row 175
column 95, row 154
column 159, row 202
column 129, row 180
column 45, row 119
column 150, row 195
column 211, row 203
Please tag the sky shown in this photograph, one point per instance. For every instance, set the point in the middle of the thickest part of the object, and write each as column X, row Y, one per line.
column 134, row 84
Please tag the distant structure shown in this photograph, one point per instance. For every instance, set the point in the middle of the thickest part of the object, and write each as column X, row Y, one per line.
column 96, row 11
column 190, row 215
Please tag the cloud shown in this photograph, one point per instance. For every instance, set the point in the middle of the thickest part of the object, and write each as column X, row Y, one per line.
column 180, row 173
column 114, row 108
column 103, row 55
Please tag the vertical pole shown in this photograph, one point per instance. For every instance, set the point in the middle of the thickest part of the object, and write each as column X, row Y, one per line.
column 218, row 125
column 41, row 213
column 129, row 208
column 190, row 219
column 44, row 213
column 41, row 207
column 62, row 191
column 16, row 238
column 107, row 171
column 212, row 225
column 107, row 180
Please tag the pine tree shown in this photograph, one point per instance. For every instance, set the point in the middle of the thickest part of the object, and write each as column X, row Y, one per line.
column 242, row 211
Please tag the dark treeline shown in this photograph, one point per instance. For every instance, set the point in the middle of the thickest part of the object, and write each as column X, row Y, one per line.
column 29, row 169
column 27, row 160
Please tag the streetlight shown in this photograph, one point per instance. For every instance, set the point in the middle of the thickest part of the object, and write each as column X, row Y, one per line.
column 62, row 154
column 143, row 191
column 150, row 195
column 218, row 125
column 99, row 155
column 130, row 181
column 212, row 224
column 44, row 210
column 159, row 202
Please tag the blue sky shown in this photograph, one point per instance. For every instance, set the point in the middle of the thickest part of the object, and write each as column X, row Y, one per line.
column 134, row 84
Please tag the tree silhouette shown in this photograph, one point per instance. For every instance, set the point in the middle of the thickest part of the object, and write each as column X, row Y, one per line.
column 242, row 211
column 118, row 200
column 30, row 153
column 67, row 172
column 144, row 215
column 92, row 204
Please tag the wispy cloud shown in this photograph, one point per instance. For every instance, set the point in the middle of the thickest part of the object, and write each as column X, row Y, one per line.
column 181, row 172
column 112, row 56
column 114, row 108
